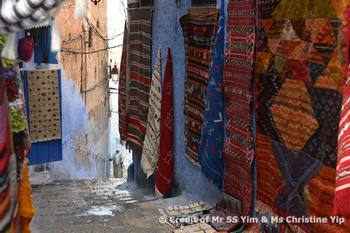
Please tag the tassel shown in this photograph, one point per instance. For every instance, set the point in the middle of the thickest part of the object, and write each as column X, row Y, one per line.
column 9, row 49
column 79, row 12
column 55, row 37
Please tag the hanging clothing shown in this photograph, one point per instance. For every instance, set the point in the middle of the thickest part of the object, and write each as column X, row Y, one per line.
column 122, row 88
column 150, row 151
column 42, row 51
column 165, row 164
column 140, row 77
column 199, row 37
column 213, row 132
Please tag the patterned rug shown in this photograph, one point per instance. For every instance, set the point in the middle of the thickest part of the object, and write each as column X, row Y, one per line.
column 213, row 132
column 199, row 37
column 140, row 37
column 150, row 151
column 165, row 164
column 122, row 88
column 298, row 107
column 237, row 84
column 44, row 107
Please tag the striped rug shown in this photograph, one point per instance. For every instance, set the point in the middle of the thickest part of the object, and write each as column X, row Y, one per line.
column 150, row 152
column 122, row 87
column 237, row 84
column 140, row 76
column 199, row 37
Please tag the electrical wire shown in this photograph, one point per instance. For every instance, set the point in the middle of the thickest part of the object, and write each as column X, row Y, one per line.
column 94, row 51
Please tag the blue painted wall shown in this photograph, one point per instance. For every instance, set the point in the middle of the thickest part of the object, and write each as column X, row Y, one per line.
column 75, row 164
column 167, row 32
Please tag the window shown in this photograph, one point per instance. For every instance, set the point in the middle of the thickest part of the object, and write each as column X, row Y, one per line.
column 203, row 2
column 147, row 2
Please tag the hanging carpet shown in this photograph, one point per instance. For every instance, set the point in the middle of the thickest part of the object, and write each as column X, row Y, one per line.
column 122, row 88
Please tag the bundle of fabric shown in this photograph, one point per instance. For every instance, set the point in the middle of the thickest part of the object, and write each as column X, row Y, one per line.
column 175, row 215
column 237, row 194
column 140, row 76
column 165, row 164
column 150, row 151
column 122, row 88
column 9, row 217
column 199, row 37
column 298, row 110
column 196, row 228
column 213, row 132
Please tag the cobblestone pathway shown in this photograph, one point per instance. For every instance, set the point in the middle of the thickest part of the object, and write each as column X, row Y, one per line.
column 93, row 206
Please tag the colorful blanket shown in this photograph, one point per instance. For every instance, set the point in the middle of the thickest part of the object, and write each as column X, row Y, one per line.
column 298, row 107
column 150, row 151
column 199, row 38
column 122, row 88
column 9, row 215
column 140, row 37
column 165, row 164
column 44, row 107
column 237, row 84
column 212, row 140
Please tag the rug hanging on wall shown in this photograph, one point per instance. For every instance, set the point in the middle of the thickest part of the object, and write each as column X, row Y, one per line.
column 213, row 132
column 44, row 105
column 298, row 110
column 165, row 164
column 150, row 151
column 199, row 37
column 140, row 37
column 122, row 87
column 238, row 152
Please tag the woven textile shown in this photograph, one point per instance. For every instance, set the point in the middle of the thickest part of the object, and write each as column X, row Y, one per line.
column 342, row 191
column 150, row 151
column 140, row 76
column 298, row 107
column 122, row 88
column 165, row 164
column 212, row 140
column 8, row 171
column 44, row 108
column 199, row 38
column 237, row 85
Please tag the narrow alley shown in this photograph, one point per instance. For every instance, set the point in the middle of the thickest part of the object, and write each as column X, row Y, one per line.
column 94, row 206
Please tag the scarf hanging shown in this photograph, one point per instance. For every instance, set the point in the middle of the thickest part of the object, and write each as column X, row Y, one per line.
column 165, row 165
column 237, row 83
column 122, row 87
column 150, row 151
column 140, row 77
column 298, row 107
column 212, row 140
column 199, row 38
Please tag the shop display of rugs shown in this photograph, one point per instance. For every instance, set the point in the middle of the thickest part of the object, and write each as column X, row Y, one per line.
column 213, row 132
column 199, row 37
column 140, row 41
column 122, row 88
column 237, row 196
column 150, row 151
column 44, row 108
column 298, row 107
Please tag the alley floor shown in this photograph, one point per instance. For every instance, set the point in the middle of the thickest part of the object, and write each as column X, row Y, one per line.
column 94, row 206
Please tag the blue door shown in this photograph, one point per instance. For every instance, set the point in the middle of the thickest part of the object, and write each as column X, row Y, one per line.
column 47, row 151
